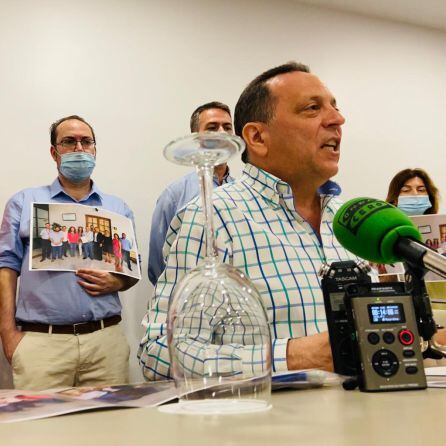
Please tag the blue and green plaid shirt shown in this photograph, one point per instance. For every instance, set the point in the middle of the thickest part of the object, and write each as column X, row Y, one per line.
column 259, row 232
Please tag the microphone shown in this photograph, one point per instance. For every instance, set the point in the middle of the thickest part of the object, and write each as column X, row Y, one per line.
column 381, row 233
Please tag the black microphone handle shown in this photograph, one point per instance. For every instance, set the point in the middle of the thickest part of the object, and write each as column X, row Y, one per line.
column 420, row 255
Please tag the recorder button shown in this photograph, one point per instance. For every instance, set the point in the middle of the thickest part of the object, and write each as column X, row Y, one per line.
column 388, row 337
column 373, row 338
column 385, row 363
column 406, row 337
column 408, row 353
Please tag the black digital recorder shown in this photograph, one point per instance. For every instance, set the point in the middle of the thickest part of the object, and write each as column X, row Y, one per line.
column 334, row 279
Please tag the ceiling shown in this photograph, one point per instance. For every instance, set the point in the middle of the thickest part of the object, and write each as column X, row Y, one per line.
column 427, row 13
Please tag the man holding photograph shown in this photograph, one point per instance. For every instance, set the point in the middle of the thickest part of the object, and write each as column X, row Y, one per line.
column 69, row 321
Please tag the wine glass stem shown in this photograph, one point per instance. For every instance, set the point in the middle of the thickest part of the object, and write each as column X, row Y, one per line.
column 205, row 176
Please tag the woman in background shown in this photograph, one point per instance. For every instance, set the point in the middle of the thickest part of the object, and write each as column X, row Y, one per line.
column 73, row 239
column 80, row 233
column 413, row 191
column 107, row 247
column 117, row 252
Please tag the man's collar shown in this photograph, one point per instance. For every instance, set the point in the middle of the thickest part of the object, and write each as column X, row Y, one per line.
column 265, row 183
column 57, row 189
column 226, row 177
column 330, row 188
column 272, row 187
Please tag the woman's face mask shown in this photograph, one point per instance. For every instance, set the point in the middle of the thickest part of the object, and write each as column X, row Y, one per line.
column 414, row 204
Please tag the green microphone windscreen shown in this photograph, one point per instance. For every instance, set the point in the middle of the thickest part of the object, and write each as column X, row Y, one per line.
column 369, row 228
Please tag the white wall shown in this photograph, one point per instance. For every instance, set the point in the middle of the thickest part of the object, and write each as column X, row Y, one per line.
column 136, row 70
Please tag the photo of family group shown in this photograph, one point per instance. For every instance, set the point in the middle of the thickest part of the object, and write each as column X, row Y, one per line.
column 67, row 237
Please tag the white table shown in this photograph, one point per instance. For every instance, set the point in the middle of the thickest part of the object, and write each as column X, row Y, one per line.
column 328, row 416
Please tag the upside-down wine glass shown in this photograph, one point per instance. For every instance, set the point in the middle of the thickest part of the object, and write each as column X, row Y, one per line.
column 218, row 334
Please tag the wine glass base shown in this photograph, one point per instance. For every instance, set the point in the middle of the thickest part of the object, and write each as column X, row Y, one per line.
column 203, row 149
column 216, row 407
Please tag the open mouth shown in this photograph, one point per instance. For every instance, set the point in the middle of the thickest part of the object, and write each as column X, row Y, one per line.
column 332, row 145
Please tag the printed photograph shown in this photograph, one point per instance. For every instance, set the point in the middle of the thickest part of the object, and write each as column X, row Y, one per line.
column 432, row 228
column 392, row 271
column 433, row 232
column 146, row 393
column 67, row 237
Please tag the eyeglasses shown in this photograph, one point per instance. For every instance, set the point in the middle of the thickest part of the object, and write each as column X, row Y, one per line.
column 70, row 144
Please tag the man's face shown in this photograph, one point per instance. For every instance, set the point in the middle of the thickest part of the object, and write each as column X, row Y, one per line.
column 215, row 120
column 64, row 228
column 47, row 226
column 303, row 137
column 123, row 235
column 72, row 128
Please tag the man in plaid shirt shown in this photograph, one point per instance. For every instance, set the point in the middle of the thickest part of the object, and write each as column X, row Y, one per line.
column 274, row 223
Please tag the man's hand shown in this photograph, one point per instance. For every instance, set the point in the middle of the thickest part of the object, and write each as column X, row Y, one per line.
column 10, row 342
column 96, row 283
column 310, row 352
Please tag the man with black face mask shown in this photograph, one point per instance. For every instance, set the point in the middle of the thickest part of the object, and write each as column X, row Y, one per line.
column 69, row 332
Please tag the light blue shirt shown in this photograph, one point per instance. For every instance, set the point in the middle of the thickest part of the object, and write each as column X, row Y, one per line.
column 52, row 297
column 172, row 199
column 126, row 244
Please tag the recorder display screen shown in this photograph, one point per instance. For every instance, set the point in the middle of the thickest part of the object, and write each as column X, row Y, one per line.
column 386, row 313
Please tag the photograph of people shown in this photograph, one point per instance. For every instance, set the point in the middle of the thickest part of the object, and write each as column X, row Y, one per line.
column 117, row 252
column 107, row 247
column 98, row 239
column 442, row 246
column 56, row 238
column 46, row 242
column 73, row 240
column 80, row 231
column 64, row 241
column 85, row 242
column 432, row 228
column 126, row 246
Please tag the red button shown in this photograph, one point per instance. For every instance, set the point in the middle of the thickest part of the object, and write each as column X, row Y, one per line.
column 406, row 337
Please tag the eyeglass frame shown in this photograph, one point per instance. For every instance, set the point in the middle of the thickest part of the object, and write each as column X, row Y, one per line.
column 78, row 141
